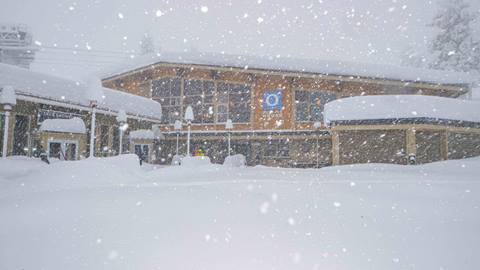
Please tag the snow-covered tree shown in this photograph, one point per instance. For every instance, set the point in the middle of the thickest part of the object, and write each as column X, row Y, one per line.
column 455, row 47
column 147, row 45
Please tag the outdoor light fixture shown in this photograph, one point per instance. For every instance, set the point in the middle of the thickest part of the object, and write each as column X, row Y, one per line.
column 8, row 100
column 229, row 127
column 189, row 118
column 178, row 127
column 122, row 122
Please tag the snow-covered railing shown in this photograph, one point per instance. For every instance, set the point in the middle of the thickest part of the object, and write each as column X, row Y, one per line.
column 384, row 107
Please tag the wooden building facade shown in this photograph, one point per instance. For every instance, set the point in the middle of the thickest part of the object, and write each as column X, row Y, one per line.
column 273, row 111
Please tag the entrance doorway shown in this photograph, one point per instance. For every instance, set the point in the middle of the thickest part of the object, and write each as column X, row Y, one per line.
column 142, row 151
column 62, row 149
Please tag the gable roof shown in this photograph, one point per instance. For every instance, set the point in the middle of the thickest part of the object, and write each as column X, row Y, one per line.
column 288, row 64
column 32, row 84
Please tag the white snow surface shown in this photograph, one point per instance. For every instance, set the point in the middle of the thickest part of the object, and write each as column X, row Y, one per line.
column 142, row 134
column 195, row 161
column 74, row 125
column 401, row 106
column 28, row 83
column 110, row 213
column 94, row 89
column 292, row 65
column 237, row 160
column 476, row 93
column 7, row 95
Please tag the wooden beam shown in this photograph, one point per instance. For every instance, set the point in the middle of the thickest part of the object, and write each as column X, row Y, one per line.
column 335, row 149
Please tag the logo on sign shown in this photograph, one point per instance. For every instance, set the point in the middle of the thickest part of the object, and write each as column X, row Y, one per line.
column 272, row 100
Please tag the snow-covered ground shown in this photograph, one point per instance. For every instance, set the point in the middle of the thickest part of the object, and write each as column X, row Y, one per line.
column 113, row 214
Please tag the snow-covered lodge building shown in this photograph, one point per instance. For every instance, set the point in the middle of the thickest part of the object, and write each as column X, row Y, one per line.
column 54, row 114
column 274, row 104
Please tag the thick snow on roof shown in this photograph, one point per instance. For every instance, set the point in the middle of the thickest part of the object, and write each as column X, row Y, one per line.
column 74, row 125
column 7, row 96
column 400, row 107
column 142, row 134
column 35, row 84
column 293, row 65
column 476, row 93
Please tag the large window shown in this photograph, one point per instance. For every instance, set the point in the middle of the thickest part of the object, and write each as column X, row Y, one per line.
column 168, row 92
column 199, row 94
column 309, row 105
column 233, row 102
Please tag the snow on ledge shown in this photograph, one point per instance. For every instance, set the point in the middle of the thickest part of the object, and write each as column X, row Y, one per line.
column 142, row 134
column 74, row 125
column 401, row 107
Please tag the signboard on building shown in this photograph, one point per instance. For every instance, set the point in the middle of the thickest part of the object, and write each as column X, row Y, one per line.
column 51, row 114
column 272, row 100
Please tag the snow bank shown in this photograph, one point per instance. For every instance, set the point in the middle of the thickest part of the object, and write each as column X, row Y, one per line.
column 401, row 106
column 238, row 160
column 33, row 175
column 74, row 125
column 343, row 68
column 212, row 217
column 30, row 85
column 190, row 161
column 177, row 159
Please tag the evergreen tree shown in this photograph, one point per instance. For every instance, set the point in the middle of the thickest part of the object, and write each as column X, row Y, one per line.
column 455, row 47
column 147, row 45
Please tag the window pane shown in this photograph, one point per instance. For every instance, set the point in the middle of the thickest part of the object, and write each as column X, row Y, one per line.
column 175, row 87
column 301, row 112
column 239, row 112
column 301, row 96
column 193, row 87
column 161, row 88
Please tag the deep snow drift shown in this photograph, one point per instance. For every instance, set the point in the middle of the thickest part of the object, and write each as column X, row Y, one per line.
column 112, row 214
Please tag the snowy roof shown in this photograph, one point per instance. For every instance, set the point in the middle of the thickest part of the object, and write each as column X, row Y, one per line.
column 28, row 83
column 74, row 125
column 401, row 107
column 342, row 68
column 476, row 93
column 7, row 96
column 142, row 134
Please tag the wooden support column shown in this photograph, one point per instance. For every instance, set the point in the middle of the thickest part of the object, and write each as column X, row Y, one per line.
column 335, row 148
column 411, row 143
column 444, row 145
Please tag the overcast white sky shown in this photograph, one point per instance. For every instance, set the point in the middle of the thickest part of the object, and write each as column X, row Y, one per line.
column 359, row 30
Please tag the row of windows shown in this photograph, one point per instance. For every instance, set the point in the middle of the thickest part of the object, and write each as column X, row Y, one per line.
column 210, row 105
column 216, row 103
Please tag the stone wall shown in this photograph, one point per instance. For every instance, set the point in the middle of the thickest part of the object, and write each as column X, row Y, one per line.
column 463, row 145
column 428, row 146
column 372, row 146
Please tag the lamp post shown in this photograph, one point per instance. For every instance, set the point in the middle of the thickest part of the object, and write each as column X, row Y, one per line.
column 8, row 99
column 94, row 94
column 122, row 122
column 189, row 118
column 317, row 126
column 229, row 127
column 178, row 127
